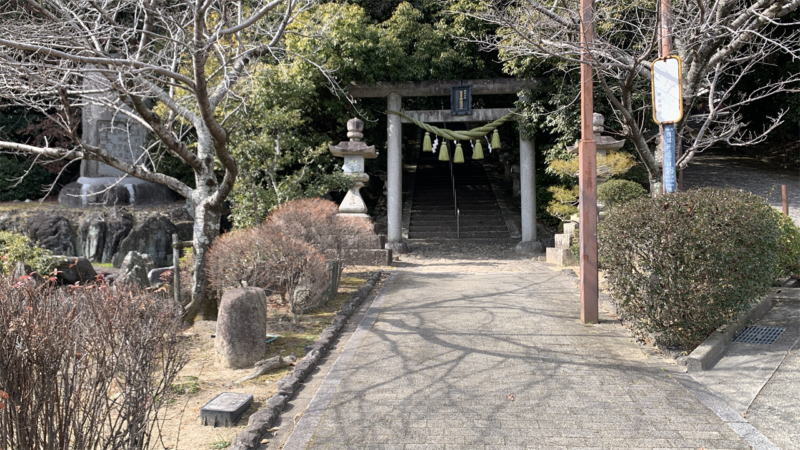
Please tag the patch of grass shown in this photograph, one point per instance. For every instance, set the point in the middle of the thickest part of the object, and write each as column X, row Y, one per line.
column 220, row 443
column 107, row 265
column 187, row 385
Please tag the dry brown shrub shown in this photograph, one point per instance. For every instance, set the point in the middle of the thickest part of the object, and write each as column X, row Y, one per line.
column 239, row 259
column 316, row 222
column 84, row 367
column 266, row 258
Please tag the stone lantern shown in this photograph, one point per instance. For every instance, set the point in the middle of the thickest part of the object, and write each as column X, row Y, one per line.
column 354, row 152
column 561, row 254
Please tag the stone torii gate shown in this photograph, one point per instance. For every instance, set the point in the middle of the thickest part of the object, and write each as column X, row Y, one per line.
column 394, row 93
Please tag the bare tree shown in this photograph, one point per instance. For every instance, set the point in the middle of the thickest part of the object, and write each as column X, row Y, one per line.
column 720, row 42
column 177, row 67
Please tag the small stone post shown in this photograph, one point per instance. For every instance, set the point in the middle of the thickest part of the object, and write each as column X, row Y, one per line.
column 176, row 268
column 354, row 152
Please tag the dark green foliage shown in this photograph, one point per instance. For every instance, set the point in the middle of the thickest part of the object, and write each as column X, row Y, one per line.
column 618, row 192
column 12, row 167
column 680, row 266
column 638, row 174
column 788, row 246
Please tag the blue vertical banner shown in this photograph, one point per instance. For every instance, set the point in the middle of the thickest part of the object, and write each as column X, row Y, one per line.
column 669, row 158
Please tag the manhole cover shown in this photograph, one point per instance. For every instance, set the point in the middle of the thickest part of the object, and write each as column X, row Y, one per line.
column 759, row 335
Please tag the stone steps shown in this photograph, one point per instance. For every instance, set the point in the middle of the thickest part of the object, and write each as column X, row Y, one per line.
column 432, row 210
column 452, row 234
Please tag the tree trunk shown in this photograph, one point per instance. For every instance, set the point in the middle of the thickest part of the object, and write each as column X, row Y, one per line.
column 206, row 230
column 656, row 186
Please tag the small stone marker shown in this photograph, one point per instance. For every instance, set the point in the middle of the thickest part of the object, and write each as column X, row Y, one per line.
column 225, row 409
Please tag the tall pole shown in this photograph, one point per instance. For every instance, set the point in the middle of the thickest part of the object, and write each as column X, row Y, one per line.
column 668, row 140
column 587, row 176
column 785, row 200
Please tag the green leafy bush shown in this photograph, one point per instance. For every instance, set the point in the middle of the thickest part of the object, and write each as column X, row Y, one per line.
column 617, row 192
column 682, row 265
column 788, row 246
column 16, row 248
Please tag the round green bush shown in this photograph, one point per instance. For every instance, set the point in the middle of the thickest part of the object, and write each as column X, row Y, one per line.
column 618, row 192
column 680, row 266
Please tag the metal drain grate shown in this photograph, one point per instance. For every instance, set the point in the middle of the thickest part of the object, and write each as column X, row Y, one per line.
column 759, row 335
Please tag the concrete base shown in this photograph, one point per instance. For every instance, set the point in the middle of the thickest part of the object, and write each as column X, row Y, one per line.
column 225, row 409
column 529, row 248
column 399, row 248
column 365, row 216
column 563, row 240
column 105, row 192
column 561, row 257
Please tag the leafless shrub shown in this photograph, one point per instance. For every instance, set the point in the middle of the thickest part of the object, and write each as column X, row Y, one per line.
column 84, row 367
column 316, row 222
column 239, row 258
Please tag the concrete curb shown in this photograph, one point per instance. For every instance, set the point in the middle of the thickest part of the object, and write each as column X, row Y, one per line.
column 262, row 420
column 707, row 354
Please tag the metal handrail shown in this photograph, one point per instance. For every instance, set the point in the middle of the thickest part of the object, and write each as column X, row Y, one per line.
column 455, row 199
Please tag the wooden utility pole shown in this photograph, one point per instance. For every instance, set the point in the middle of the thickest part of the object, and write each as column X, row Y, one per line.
column 587, row 175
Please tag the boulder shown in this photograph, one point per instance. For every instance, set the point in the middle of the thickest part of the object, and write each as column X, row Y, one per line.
column 134, row 269
column 74, row 270
column 152, row 236
column 242, row 327
column 92, row 236
column 119, row 224
column 53, row 232
column 101, row 233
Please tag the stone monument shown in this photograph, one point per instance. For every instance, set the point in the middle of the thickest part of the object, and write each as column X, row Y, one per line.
column 100, row 184
column 354, row 152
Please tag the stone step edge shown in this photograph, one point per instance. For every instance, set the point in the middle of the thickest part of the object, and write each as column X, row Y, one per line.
column 262, row 420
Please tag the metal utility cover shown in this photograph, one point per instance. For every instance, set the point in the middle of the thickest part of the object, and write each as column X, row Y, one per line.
column 759, row 335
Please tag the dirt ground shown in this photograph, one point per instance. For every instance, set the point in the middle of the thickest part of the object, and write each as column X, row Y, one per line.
column 202, row 378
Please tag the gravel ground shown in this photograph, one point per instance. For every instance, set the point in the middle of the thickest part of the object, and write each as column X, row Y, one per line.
column 723, row 168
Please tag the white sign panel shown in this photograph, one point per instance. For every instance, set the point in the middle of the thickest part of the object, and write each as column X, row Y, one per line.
column 667, row 90
column 353, row 164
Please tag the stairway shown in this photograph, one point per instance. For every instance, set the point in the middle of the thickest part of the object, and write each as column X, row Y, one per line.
column 432, row 209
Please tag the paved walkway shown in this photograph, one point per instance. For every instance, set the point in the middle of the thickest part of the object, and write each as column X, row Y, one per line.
column 726, row 168
column 498, row 361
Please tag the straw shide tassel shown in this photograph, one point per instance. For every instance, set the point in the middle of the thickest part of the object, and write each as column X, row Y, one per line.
column 496, row 140
column 426, row 143
column 444, row 155
column 477, row 151
column 458, row 157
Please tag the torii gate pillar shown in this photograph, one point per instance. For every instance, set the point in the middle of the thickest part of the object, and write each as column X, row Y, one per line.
column 394, row 174
column 527, row 163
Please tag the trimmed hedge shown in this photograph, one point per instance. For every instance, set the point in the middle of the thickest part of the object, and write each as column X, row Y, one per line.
column 618, row 192
column 680, row 266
